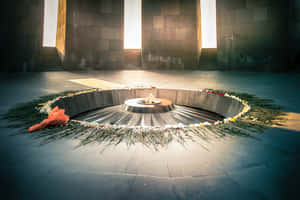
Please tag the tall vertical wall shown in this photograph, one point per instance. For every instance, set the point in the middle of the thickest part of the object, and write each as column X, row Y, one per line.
column 252, row 34
column 170, row 34
column 294, row 34
column 21, row 35
column 94, row 34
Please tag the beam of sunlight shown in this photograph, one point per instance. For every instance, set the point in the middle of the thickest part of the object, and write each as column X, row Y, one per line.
column 209, row 23
column 132, row 24
column 97, row 83
column 50, row 23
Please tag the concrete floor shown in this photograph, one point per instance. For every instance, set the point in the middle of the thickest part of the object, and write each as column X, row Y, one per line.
column 232, row 168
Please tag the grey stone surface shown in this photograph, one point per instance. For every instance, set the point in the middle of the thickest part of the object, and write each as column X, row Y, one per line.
column 99, row 99
column 260, row 14
column 88, row 20
column 235, row 107
column 181, row 98
column 294, row 30
column 222, row 105
column 170, row 94
column 158, row 22
column 233, row 167
column 110, row 34
column 79, row 104
column 120, row 96
column 82, row 103
column 101, row 37
column 169, row 33
column 107, row 98
column 142, row 93
column 181, row 34
column 171, row 8
column 206, row 101
column 171, row 21
column 115, row 45
column 106, row 6
column 248, row 27
column 244, row 16
column 104, row 45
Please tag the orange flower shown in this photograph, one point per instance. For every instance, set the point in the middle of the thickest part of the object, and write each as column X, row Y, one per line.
column 56, row 117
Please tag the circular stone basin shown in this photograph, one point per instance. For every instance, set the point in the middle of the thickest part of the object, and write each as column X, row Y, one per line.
column 130, row 107
column 148, row 105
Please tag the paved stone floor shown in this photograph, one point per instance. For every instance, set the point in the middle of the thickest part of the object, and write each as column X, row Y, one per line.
column 231, row 168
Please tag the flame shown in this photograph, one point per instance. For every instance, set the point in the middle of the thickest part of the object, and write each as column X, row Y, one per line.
column 150, row 99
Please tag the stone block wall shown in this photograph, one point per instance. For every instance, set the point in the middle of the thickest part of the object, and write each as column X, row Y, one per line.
column 294, row 34
column 94, row 34
column 169, row 34
column 21, row 35
column 252, row 34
